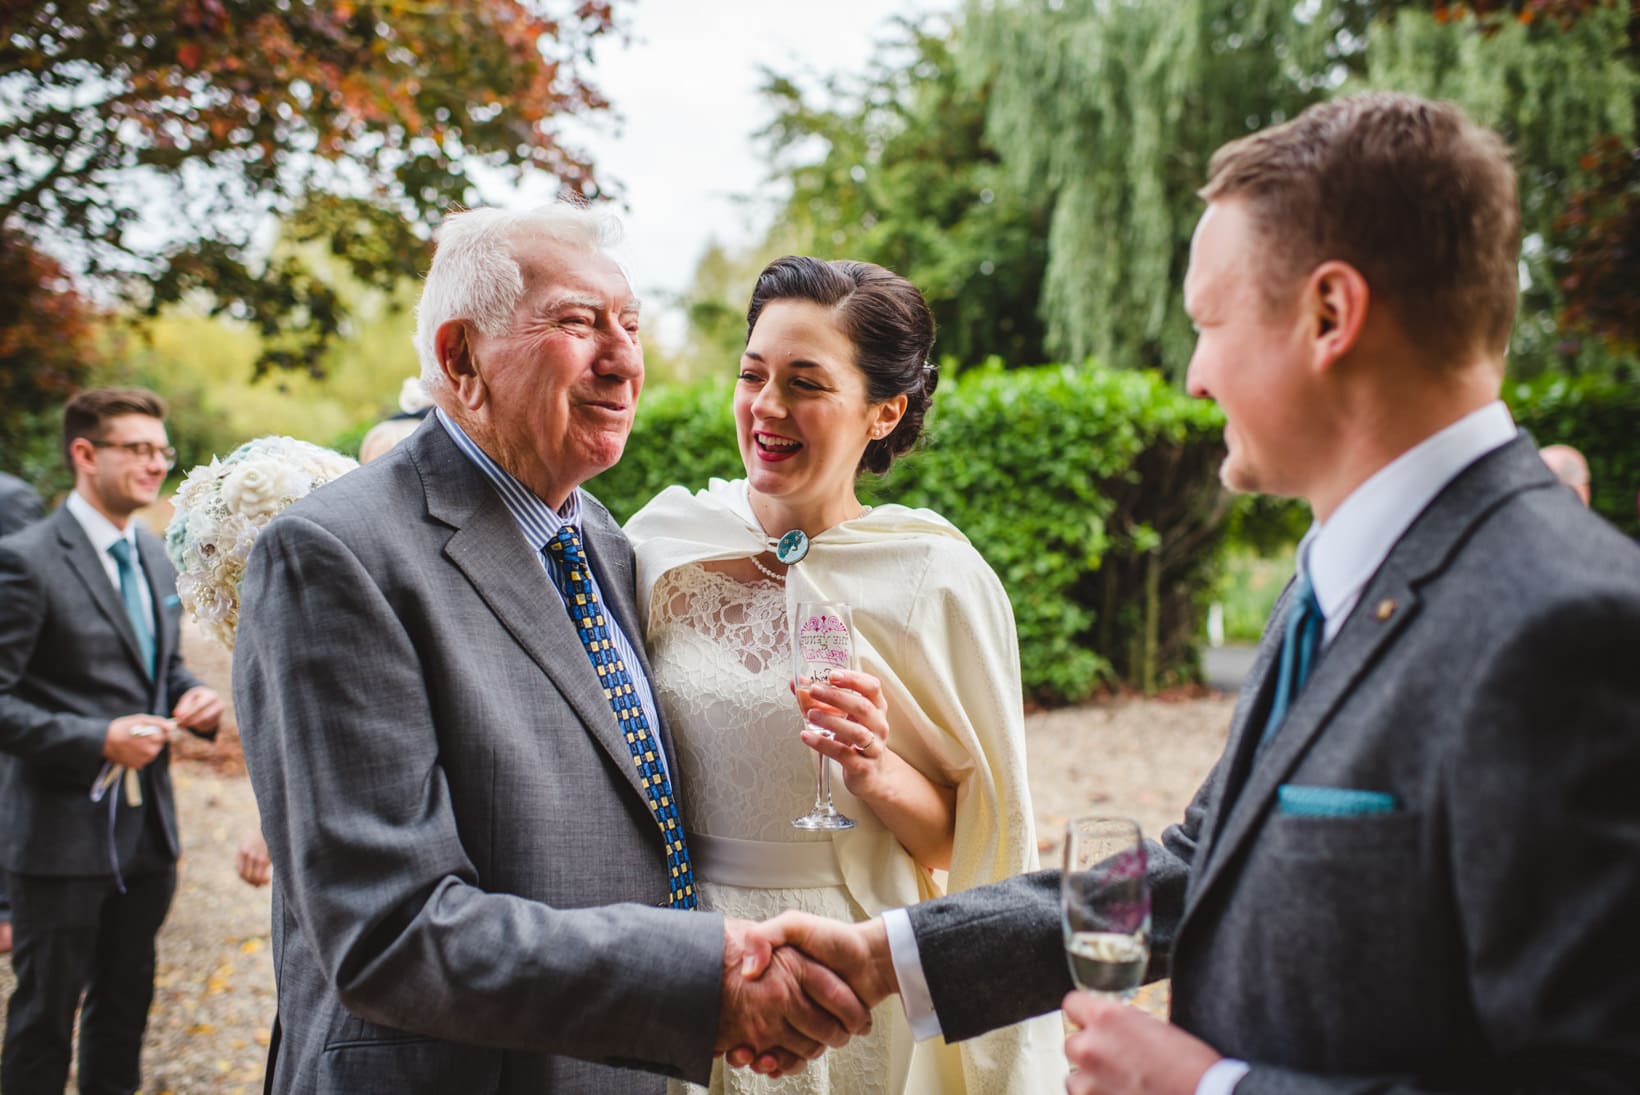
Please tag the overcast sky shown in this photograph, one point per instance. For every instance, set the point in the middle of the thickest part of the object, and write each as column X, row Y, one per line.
column 686, row 87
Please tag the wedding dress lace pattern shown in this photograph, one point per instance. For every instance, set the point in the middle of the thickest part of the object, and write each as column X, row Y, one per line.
column 722, row 669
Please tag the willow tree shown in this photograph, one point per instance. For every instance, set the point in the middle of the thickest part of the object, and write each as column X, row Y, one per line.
column 1112, row 108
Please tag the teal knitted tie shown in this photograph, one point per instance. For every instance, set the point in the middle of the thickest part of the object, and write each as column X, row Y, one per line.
column 1299, row 645
column 130, row 594
column 574, row 579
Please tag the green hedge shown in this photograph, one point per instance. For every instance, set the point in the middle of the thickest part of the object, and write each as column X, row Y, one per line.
column 1598, row 415
column 1092, row 492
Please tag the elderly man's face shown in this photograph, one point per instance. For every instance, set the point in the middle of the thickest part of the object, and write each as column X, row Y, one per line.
column 563, row 381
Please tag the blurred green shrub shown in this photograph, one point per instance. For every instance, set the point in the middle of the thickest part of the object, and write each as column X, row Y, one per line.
column 1092, row 492
column 1600, row 416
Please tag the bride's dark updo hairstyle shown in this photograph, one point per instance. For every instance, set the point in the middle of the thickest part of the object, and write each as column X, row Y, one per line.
column 889, row 324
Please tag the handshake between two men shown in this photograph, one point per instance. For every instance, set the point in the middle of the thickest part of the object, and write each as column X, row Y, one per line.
column 798, row 984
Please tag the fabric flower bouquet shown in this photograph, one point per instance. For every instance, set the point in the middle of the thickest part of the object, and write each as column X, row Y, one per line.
column 220, row 509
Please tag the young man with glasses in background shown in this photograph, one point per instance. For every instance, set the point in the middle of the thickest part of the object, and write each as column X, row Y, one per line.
column 92, row 686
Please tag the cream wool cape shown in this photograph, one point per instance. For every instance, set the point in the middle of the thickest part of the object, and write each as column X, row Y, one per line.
column 933, row 622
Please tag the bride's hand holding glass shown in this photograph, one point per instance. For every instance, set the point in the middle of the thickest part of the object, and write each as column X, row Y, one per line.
column 851, row 706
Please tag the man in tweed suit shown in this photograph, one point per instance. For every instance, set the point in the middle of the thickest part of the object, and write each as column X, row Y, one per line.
column 91, row 681
column 1424, row 875
column 460, row 771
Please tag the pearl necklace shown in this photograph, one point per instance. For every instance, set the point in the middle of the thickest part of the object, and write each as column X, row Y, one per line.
column 771, row 574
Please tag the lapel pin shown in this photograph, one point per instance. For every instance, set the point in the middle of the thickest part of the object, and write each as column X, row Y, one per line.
column 1386, row 609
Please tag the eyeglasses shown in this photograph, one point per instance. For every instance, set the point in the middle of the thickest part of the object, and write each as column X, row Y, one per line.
column 141, row 450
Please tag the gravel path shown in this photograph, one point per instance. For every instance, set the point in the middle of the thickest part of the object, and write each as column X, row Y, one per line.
column 214, row 1000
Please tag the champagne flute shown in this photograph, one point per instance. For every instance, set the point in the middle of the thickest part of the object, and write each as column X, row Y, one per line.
column 1105, row 905
column 822, row 640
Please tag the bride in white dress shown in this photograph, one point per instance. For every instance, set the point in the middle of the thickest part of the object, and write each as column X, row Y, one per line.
column 928, row 737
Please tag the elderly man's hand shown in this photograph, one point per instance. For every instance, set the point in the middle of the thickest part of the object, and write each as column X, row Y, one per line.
column 858, row 953
column 784, row 1004
column 1120, row 1050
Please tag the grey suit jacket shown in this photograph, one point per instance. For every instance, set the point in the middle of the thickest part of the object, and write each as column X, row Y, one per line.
column 69, row 664
column 20, row 504
column 468, row 880
column 1484, row 936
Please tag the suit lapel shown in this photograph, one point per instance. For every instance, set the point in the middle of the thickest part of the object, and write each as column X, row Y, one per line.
column 1347, row 659
column 1251, row 706
column 493, row 555
column 83, row 561
column 1416, row 560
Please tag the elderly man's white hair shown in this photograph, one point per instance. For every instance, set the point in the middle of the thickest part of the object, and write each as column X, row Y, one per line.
column 474, row 276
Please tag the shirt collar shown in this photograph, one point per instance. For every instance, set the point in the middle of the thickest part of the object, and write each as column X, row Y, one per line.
column 1344, row 553
column 538, row 521
column 102, row 532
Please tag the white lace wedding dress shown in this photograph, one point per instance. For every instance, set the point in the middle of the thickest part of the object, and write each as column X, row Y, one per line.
column 721, row 663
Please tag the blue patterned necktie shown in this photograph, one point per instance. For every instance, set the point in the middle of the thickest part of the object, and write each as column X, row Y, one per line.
column 575, row 582
column 1299, row 645
column 130, row 594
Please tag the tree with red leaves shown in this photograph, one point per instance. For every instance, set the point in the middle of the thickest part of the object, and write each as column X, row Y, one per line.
column 147, row 140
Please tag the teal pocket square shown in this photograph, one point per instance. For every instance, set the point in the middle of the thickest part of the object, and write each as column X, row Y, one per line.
column 173, row 601
column 1298, row 801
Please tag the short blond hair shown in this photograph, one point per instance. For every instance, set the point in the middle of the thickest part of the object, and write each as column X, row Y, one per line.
column 1414, row 195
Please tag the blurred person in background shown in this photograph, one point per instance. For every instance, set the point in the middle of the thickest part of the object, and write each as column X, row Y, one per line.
column 20, row 506
column 1569, row 467
column 92, row 685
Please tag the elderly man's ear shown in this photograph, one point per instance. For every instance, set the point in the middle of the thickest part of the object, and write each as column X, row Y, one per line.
column 455, row 357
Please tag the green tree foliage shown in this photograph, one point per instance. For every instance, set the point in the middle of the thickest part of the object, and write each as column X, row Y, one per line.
column 354, row 121
column 1560, row 81
column 895, row 168
column 202, row 364
column 1597, row 414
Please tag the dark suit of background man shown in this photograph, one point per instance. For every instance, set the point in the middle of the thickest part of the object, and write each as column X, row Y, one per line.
column 91, row 684
column 1427, row 876
column 473, row 856
column 20, row 506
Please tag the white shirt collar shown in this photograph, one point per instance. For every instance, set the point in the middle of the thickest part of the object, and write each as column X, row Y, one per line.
column 1343, row 554
column 102, row 532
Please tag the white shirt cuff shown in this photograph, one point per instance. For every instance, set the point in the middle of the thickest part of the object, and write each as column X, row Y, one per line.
column 1223, row 1077
column 914, row 995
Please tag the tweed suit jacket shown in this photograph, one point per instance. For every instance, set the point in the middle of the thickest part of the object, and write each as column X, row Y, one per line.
column 469, row 885
column 1483, row 935
column 69, row 664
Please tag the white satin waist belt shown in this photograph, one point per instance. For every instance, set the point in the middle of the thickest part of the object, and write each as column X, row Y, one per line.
column 763, row 864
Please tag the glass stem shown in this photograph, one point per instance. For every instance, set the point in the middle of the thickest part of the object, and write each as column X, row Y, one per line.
column 822, row 787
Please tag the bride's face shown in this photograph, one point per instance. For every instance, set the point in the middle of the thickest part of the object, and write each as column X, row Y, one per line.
column 801, row 412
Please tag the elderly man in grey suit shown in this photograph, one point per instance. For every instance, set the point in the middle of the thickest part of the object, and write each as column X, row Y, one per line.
column 91, row 684
column 481, row 878
column 1416, row 867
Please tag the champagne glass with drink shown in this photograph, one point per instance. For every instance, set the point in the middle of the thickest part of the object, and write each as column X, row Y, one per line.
column 1105, row 904
column 822, row 640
